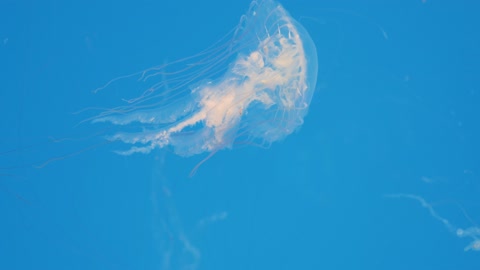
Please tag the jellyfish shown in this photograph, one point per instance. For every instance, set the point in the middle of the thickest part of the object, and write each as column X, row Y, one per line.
column 472, row 232
column 254, row 85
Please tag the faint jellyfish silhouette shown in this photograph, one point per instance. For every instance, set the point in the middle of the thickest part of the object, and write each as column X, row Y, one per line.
column 255, row 86
column 472, row 232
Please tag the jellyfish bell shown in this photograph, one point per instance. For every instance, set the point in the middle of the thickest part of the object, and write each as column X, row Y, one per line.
column 257, row 86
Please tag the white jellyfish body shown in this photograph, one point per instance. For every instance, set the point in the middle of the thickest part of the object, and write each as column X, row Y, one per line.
column 266, row 75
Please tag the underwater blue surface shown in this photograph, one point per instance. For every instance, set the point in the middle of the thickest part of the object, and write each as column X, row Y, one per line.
column 383, row 174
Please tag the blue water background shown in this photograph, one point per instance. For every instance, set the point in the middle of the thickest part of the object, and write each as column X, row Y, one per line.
column 396, row 111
